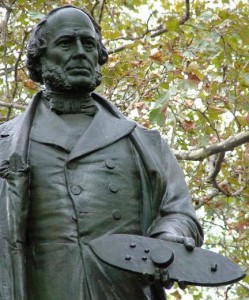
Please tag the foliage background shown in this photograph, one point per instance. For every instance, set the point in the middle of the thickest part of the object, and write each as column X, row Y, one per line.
column 181, row 67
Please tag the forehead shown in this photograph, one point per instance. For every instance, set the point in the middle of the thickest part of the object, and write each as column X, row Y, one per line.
column 69, row 20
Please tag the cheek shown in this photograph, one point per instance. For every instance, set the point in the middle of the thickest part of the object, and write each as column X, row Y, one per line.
column 93, row 58
column 56, row 57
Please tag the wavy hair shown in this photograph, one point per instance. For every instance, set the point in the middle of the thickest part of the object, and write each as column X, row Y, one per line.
column 37, row 44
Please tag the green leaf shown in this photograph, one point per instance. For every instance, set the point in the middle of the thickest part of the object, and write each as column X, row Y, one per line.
column 244, row 80
column 173, row 25
column 158, row 117
column 206, row 16
column 223, row 14
column 244, row 35
column 162, row 100
column 164, row 85
column 36, row 15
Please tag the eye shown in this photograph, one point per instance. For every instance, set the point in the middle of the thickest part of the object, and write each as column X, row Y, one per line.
column 89, row 43
column 65, row 43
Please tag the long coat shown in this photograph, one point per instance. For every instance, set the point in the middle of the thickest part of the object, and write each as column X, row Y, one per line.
column 166, row 203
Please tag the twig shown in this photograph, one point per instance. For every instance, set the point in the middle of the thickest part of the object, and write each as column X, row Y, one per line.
column 101, row 11
column 227, row 291
column 94, row 6
column 216, row 167
column 220, row 188
column 181, row 22
column 26, row 33
column 158, row 31
column 244, row 285
column 206, row 199
column 118, row 49
column 12, row 105
column 4, row 37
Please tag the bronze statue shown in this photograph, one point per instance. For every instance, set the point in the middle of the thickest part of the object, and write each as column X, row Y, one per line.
column 73, row 169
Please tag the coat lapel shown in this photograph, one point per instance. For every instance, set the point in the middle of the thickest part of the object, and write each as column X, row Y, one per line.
column 49, row 128
column 17, row 132
column 104, row 130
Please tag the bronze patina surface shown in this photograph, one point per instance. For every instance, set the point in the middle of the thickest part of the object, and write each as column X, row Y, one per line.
column 74, row 169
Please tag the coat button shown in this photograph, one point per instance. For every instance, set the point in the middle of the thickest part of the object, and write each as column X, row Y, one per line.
column 110, row 164
column 72, row 165
column 116, row 214
column 73, row 215
column 113, row 187
column 76, row 189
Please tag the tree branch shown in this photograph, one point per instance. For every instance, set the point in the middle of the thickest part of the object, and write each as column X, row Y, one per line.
column 215, row 166
column 181, row 22
column 5, row 5
column 227, row 145
column 93, row 8
column 118, row 49
column 156, row 33
column 244, row 285
column 205, row 200
column 12, row 105
column 26, row 33
column 4, row 39
column 101, row 11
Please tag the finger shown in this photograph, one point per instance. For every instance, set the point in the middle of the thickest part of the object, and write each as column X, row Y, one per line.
column 172, row 238
column 157, row 274
column 189, row 243
column 182, row 285
column 164, row 276
column 167, row 283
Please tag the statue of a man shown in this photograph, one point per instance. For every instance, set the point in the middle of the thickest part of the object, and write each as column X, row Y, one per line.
column 73, row 168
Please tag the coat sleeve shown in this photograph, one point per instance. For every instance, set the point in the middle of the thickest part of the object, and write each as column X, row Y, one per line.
column 13, row 211
column 176, row 214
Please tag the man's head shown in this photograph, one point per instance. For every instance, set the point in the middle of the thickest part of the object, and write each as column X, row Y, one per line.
column 65, row 51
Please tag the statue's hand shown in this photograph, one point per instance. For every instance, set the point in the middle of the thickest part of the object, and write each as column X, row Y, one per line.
column 161, row 275
column 161, row 278
column 188, row 242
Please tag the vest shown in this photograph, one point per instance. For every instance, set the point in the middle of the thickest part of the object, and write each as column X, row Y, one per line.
column 86, row 198
column 71, row 203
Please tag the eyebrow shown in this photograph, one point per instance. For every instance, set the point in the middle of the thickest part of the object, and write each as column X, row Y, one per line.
column 72, row 34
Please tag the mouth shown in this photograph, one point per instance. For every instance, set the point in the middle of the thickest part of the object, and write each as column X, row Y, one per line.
column 78, row 70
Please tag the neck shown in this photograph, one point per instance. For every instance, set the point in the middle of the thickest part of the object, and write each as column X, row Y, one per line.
column 67, row 95
column 69, row 102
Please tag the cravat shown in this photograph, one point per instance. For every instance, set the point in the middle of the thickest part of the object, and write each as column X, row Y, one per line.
column 70, row 104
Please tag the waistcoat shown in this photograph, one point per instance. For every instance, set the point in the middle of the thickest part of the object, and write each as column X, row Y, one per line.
column 91, row 196
column 73, row 202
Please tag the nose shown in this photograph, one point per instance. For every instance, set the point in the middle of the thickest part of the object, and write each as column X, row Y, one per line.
column 79, row 52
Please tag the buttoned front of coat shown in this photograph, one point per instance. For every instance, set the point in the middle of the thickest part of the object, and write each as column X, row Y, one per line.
column 73, row 201
column 100, row 190
column 165, row 201
column 105, row 189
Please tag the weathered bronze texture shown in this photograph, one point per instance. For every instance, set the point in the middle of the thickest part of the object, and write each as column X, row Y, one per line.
column 197, row 267
column 74, row 169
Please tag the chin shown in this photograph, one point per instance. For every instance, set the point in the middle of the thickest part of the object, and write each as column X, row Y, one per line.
column 82, row 87
column 67, row 86
column 81, row 83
